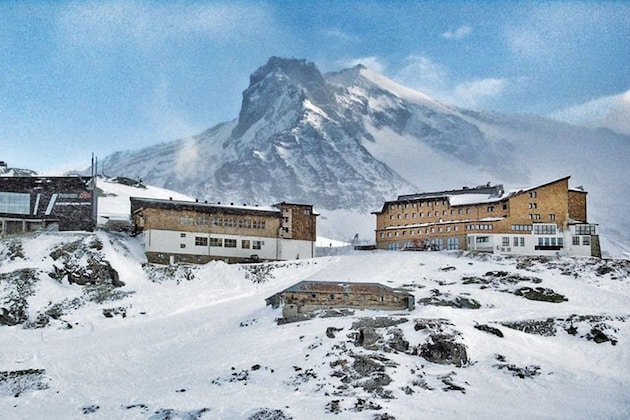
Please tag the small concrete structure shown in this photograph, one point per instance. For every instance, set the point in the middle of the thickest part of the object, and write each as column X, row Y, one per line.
column 308, row 296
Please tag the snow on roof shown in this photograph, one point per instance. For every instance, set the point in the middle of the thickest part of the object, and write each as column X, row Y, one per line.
column 206, row 204
column 312, row 286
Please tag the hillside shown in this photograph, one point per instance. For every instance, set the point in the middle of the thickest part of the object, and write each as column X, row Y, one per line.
column 88, row 329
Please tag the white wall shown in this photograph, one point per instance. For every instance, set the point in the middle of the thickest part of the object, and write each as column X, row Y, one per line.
column 170, row 242
column 495, row 245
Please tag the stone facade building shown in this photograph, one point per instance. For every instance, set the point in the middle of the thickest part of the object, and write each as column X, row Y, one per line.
column 192, row 232
column 308, row 296
column 548, row 219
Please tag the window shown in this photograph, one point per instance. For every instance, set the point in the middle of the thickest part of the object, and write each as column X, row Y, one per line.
column 245, row 244
column 533, row 194
column 258, row 224
column 505, row 241
column 576, row 240
column 257, row 244
column 533, row 205
column 382, row 234
column 182, row 235
column 468, row 210
column 201, row 241
column 230, row 243
column 421, row 214
column 544, row 229
column 586, row 240
column 561, row 242
column 15, row 203
column 396, row 233
column 391, row 217
column 552, row 217
column 406, row 215
column 490, row 209
column 515, row 241
column 522, row 227
column 216, row 242
column 522, row 241
column 585, row 230
column 186, row 220
column 182, row 245
column 452, row 243
column 460, row 211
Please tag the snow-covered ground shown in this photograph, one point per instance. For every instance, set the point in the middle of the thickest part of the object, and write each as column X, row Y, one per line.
column 87, row 328
column 198, row 341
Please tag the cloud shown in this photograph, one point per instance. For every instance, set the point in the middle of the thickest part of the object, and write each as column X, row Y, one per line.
column 371, row 62
column 459, row 33
column 611, row 112
column 423, row 74
column 340, row 35
column 475, row 91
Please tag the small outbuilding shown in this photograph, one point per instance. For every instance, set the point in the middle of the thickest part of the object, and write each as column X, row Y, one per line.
column 308, row 296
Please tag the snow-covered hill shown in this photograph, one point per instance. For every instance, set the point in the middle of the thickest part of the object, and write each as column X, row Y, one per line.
column 347, row 141
column 90, row 331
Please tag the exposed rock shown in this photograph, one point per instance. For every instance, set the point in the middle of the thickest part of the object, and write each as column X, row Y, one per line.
column 446, row 299
column 269, row 414
column 368, row 338
column 443, row 350
column 540, row 294
column 14, row 383
column 489, row 329
column 378, row 322
column 397, row 341
column 545, row 327
column 330, row 331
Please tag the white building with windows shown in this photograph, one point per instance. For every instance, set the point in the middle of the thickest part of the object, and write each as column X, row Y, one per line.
column 193, row 232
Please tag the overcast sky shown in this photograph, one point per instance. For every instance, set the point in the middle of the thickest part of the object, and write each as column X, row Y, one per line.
column 83, row 77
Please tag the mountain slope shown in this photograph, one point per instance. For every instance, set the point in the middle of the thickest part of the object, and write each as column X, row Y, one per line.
column 159, row 342
column 353, row 139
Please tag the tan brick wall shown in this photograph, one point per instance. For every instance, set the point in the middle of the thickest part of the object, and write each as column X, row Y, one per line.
column 577, row 206
column 550, row 202
column 166, row 219
column 302, row 221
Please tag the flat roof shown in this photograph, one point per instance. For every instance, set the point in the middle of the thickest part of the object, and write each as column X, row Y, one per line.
column 314, row 286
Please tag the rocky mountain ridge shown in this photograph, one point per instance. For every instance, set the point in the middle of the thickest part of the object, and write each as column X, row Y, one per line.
column 353, row 139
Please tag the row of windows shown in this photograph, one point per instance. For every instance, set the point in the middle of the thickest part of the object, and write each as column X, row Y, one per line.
column 393, row 207
column 15, row 203
column 412, row 232
column 228, row 222
column 536, row 216
column 544, row 229
column 517, row 241
column 522, row 227
column 479, row 227
column 429, row 214
column 226, row 243
column 437, row 244
column 551, row 241
column 585, row 230
column 586, row 240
